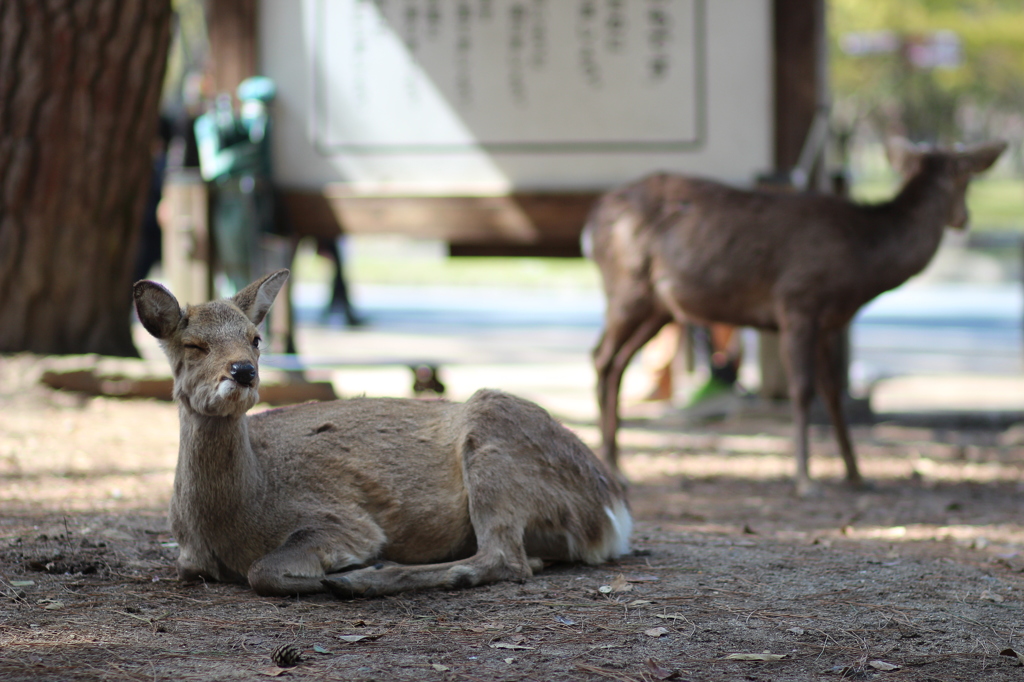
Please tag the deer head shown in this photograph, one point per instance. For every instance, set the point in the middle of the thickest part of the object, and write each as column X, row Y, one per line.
column 213, row 348
column 957, row 166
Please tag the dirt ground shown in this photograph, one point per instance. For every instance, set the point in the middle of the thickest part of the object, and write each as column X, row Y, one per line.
column 921, row 578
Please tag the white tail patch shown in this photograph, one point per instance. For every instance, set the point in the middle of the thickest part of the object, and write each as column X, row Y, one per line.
column 622, row 525
column 615, row 542
column 587, row 242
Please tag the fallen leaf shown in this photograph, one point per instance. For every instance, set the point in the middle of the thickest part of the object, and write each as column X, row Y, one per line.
column 620, row 584
column 440, row 668
column 660, row 672
column 565, row 621
column 22, row 583
column 754, row 657
column 640, row 602
column 992, row 596
column 656, row 632
column 506, row 645
column 274, row 672
column 1012, row 654
column 670, row 616
column 605, row 589
column 352, row 639
column 796, row 631
column 882, row 665
column 509, row 660
column 51, row 604
column 320, row 650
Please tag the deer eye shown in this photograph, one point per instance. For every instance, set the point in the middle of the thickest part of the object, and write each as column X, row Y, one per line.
column 196, row 346
column 256, row 342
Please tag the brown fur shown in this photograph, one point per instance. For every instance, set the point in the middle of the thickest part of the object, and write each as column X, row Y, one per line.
column 316, row 496
column 676, row 247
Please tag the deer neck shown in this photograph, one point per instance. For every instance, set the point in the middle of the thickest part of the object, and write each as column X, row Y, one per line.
column 216, row 463
column 912, row 225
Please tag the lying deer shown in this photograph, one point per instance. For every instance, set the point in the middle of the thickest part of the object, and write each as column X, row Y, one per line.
column 343, row 496
column 675, row 247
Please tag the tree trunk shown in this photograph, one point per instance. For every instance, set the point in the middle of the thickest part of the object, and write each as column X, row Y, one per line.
column 80, row 86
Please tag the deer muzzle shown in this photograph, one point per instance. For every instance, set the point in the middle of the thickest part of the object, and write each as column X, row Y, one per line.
column 243, row 372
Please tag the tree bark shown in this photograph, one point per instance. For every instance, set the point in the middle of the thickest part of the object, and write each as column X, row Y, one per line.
column 80, row 87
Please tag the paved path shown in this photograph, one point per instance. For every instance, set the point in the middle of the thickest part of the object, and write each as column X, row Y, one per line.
column 921, row 347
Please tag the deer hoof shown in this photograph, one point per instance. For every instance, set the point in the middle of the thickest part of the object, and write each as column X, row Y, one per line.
column 860, row 485
column 342, row 588
column 808, row 489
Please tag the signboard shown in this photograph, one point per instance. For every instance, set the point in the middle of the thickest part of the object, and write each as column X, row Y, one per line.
column 507, row 76
column 491, row 96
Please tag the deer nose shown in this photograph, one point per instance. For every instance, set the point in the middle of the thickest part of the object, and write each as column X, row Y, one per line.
column 243, row 372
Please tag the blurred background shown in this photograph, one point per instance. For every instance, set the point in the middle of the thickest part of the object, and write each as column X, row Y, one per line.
column 425, row 168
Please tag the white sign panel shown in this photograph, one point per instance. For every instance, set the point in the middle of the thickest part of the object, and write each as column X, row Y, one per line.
column 535, row 76
column 485, row 96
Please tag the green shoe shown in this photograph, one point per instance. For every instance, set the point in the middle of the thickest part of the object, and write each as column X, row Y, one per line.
column 712, row 388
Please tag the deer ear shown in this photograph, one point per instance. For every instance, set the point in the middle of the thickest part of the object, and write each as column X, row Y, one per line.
column 983, row 156
column 904, row 156
column 255, row 299
column 158, row 310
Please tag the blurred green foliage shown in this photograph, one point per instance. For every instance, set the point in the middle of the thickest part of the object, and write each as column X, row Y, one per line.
column 971, row 100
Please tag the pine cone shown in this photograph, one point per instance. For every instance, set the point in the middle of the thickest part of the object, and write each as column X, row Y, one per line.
column 286, row 655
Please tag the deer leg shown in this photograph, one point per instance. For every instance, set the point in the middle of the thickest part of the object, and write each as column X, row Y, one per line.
column 192, row 567
column 300, row 564
column 500, row 511
column 602, row 355
column 611, row 358
column 480, row 569
column 796, row 339
column 829, row 388
column 618, row 328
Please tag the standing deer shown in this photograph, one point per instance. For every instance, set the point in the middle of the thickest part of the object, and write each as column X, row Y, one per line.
column 326, row 496
column 675, row 247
